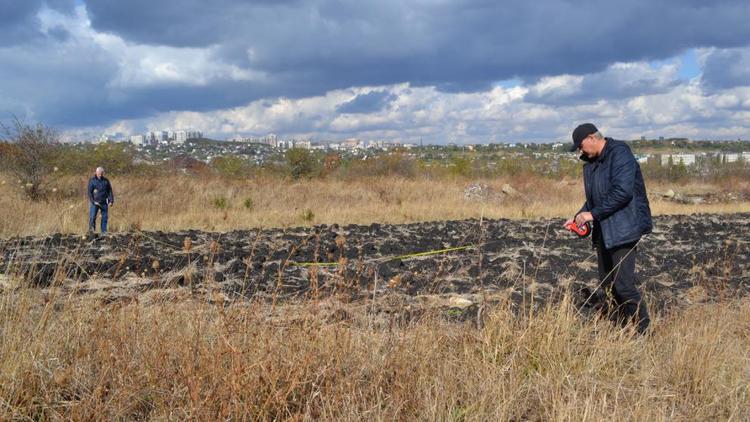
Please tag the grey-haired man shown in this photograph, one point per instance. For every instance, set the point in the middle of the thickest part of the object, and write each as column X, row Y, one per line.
column 101, row 197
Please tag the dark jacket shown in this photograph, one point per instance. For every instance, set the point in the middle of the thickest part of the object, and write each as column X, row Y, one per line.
column 100, row 191
column 616, row 195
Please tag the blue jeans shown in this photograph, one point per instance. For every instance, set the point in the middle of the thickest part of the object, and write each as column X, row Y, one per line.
column 93, row 210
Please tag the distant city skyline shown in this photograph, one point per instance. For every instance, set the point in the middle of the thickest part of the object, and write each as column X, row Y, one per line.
column 441, row 72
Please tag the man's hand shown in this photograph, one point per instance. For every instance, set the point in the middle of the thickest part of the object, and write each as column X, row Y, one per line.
column 583, row 218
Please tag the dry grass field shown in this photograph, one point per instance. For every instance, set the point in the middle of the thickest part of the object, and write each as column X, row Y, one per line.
column 216, row 204
column 164, row 358
column 174, row 354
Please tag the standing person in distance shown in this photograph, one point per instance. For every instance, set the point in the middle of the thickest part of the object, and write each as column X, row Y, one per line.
column 101, row 197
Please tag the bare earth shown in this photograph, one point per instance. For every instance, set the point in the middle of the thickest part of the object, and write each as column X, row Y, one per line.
column 688, row 259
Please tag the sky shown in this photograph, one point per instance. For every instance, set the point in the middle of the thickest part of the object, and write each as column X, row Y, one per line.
column 440, row 71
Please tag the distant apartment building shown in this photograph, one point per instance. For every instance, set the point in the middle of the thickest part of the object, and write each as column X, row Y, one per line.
column 156, row 136
column 180, row 136
column 281, row 144
column 685, row 159
column 162, row 136
column 270, row 139
column 383, row 144
column 352, row 143
column 302, row 143
column 193, row 134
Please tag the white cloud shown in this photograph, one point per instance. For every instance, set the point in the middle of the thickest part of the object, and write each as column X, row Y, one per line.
column 557, row 86
column 495, row 115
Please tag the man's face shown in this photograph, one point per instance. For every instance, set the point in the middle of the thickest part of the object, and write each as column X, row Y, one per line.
column 99, row 172
column 588, row 147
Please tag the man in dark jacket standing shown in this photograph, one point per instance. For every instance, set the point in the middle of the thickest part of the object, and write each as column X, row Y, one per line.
column 617, row 205
column 101, row 197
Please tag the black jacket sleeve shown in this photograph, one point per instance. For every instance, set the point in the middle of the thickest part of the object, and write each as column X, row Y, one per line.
column 90, row 191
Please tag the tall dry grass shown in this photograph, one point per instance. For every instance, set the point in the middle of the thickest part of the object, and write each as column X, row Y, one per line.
column 169, row 355
column 82, row 359
column 213, row 203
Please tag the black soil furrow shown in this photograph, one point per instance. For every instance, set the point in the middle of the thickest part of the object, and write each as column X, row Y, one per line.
column 687, row 258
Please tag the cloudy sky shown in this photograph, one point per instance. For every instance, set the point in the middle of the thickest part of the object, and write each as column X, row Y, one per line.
column 464, row 71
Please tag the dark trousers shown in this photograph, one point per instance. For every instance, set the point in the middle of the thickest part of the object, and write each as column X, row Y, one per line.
column 93, row 211
column 617, row 274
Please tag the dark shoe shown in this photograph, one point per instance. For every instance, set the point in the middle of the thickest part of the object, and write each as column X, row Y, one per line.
column 637, row 315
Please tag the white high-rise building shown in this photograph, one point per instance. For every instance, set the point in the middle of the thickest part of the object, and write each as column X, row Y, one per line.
column 156, row 136
column 137, row 139
column 180, row 136
column 193, row 134
column 302, row 143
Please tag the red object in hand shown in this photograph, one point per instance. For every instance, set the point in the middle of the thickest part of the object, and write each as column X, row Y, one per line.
column 581, row 231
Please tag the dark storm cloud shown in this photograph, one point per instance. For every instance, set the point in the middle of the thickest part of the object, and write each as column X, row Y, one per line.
column 308, row 48
column 54, row 86
column 370, row 102
column 453, row 44
column 727, row 69
column 182, row 23
column 19, row 22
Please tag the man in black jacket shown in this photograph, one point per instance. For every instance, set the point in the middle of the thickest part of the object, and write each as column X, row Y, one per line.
column 101, row 197
column 617, row 205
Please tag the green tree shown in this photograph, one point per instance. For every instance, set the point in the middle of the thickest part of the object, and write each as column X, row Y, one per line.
column 301, row 162
column 230, row 166
column 461, row 166
column 114, row 157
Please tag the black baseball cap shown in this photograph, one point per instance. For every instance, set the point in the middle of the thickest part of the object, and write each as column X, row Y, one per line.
column 580, row 133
